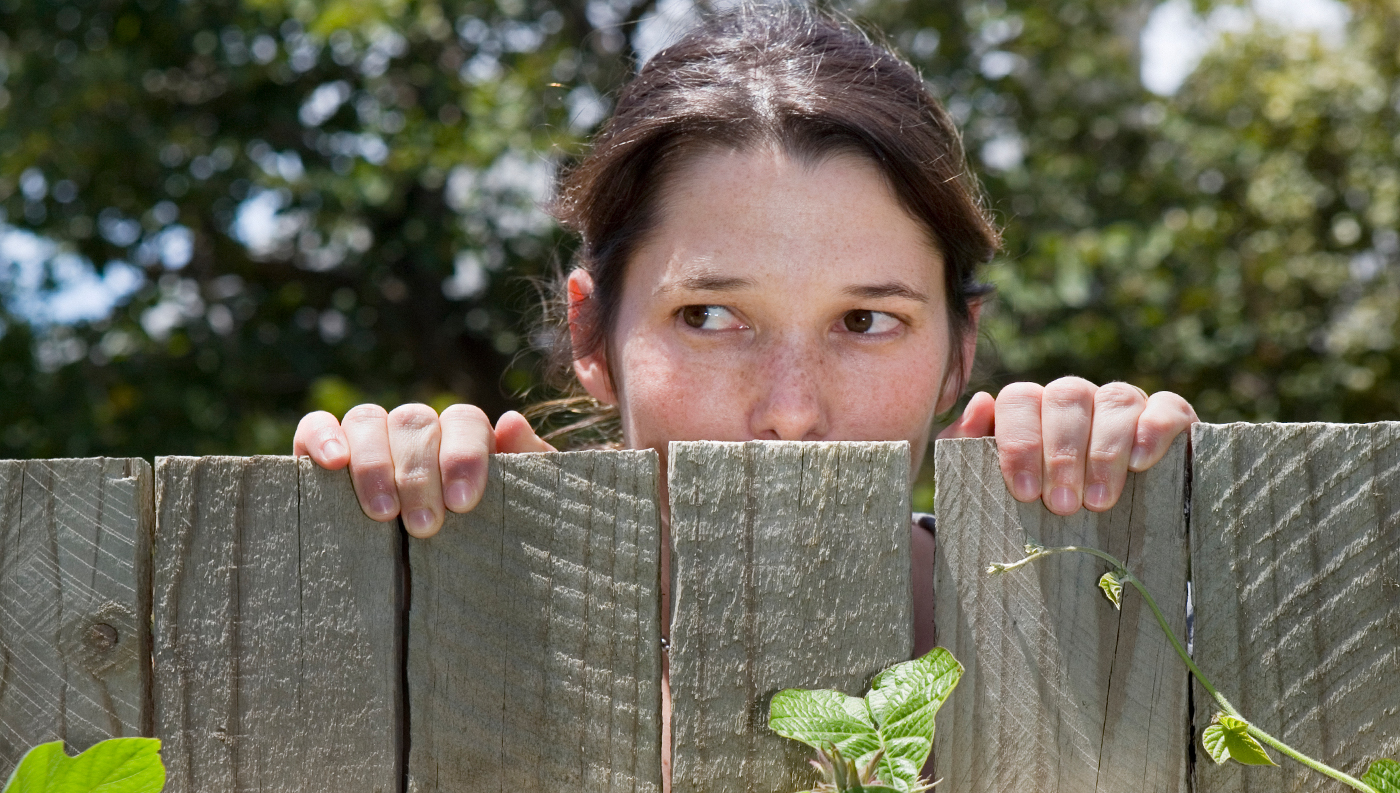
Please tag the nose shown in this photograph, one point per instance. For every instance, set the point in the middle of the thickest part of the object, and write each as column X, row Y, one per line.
column 791, row 405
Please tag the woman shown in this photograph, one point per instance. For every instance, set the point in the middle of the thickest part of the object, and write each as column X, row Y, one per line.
column 779, row 240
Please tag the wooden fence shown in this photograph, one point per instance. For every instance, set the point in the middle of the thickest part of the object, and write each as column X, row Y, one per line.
column 246, row 612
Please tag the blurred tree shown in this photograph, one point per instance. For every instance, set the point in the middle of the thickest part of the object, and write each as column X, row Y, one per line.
column 1235, row 243
column 317, row 203
column 322, row 201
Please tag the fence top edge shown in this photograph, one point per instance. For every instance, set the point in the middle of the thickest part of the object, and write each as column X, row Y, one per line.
column 1200, row 427
column 1235, row 426
column 180, row 458
column 166, row 460
column 71, row 459
column 1204, row 436
column 685, row 445
column 940, row 442
column 579, row 453
column 162, row 459
column 1291, row 425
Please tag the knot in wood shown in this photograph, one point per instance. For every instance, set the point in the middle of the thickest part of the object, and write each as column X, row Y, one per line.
column 101, row 637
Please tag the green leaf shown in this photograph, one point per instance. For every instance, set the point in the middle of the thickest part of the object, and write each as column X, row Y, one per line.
column 1228, row 738
column 118, row 765
column 822, row 718
column 896, row 717
column 1112, row 587
column 1384, row 776
column 903, row 701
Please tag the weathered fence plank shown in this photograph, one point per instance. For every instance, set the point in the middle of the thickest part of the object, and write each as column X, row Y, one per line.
column 533, row 658
column 75, row 539
column 534, row 651
column 1061, row 692
column 791, row 569
column 278, row 629
column 1295, row 557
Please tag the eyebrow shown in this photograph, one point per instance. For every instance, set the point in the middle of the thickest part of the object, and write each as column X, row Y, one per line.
column 891, row 289
column 709, row 283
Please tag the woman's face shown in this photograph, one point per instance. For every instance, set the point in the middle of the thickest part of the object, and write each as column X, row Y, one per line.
column 777, row 300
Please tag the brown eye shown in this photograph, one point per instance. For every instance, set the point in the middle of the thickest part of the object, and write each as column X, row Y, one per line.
column 695, row 316
column 859, row 321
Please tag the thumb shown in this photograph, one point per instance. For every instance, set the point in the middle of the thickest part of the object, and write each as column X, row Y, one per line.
column 977, row 421
column 515, row 435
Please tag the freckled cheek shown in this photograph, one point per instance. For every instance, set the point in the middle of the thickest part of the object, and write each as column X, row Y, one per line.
column 887, row 399
column 672, row 394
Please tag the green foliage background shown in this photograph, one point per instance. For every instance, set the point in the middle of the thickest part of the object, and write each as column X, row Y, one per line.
column 1235, row 242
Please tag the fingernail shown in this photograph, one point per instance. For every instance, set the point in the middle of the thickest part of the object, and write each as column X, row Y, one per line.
column 1096, row 495
column 382, row 505
column 332, row 448
column 1025, row 486
column 1063, row 500
column 419, row 520
column 1138, row 458
column 458, row 494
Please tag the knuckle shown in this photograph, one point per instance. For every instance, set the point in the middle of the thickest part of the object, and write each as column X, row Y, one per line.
column 362, row 414
column 372, row 468
column 1017, row 448
column 462, row 447
column 1106, row 457
column 465, row 412
column 1152, row 425
column 326, row 432
column 414, row 478
column 416, row 416
column 1118, row 396
column 1070, row 392
column 1058, row 459
column 1020, row 394
column 1170, row 401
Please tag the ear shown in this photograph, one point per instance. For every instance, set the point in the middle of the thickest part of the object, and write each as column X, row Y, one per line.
column 956, row 382
column 592, row 369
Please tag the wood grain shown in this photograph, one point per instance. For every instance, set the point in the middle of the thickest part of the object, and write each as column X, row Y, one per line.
column 534, row 650
column 1295, row 555
column 75, row 538
column 1061, row 692
column 791, row 569
column 278, row 629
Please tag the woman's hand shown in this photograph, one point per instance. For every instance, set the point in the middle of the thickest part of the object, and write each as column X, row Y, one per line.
column 1072, row 443
column 411, row 461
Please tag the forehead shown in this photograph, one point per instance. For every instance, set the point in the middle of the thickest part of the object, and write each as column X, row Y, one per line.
column 766, row 213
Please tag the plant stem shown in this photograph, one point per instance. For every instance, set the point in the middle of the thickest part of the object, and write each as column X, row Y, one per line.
column 1121, row 570
column 1319, row 767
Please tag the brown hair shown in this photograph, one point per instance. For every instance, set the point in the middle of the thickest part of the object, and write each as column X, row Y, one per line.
column 788, row 77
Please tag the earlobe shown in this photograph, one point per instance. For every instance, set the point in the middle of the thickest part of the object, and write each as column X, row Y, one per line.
column 591, row 369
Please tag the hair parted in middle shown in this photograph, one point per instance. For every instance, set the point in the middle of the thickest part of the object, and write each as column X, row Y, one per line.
column 786, row 77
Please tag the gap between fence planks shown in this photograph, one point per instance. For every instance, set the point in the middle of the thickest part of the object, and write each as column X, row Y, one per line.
column 277, row 622
column 790, row 569
column 1061, row 691
column 1295, row 547
column 535, row 652
column 75, row 539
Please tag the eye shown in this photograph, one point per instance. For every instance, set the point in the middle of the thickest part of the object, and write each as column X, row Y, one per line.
column 711, row 318
column 869, row 322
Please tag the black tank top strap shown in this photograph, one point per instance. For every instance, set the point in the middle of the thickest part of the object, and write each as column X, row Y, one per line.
column 926, row 521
